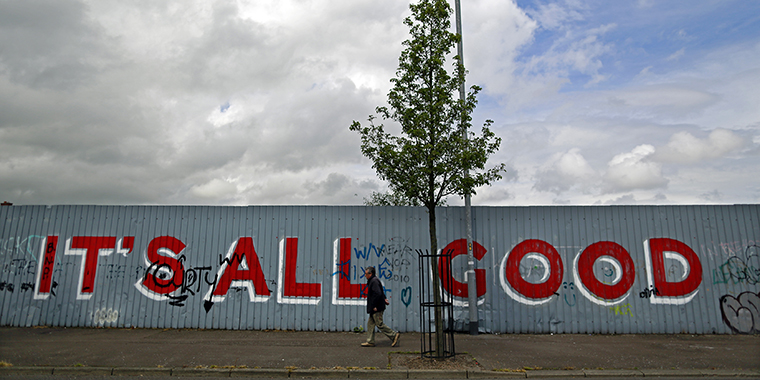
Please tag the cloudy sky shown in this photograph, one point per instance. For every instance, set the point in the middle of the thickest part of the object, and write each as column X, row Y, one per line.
column 249, row 102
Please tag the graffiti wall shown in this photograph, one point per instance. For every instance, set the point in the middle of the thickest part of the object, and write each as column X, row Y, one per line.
column 606, row 269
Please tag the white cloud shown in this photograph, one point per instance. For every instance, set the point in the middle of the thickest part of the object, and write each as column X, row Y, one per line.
column 564, row 171
column 574, row 52
column 675, row 56
column 555, row 15
column 661, row 100
column 634, row 170
column 493, row 33
column 683, row 147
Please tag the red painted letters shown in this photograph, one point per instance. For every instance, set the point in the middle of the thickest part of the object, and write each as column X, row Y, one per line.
column 672, row 292
column 89, row 247
column 241, row 267
column 45, row 268
column 231, row 272
column 292, row 288
column 535, row 291
column 344, row 292
column 459, row 289
column 165, row 273
column 625, row 271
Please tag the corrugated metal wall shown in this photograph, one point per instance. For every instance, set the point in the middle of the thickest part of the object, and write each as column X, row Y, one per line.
column 607, row 269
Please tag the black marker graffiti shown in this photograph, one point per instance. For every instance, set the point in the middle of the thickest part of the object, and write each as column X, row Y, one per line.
column 741, row 314
column 648, row 293
column 18, row 267
column 6, row 286
column 177, row 300
column 187, row 283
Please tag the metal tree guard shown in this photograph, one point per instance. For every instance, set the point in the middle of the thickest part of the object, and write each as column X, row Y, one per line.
column 430, row 337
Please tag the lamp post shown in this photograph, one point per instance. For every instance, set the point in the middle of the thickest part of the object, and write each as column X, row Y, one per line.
column 472, row 295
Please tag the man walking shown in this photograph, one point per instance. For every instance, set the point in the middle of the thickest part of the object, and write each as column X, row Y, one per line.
column 376, row 302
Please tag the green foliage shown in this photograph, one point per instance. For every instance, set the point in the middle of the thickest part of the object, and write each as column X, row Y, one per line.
column 432, row 157
column 394, row 199
column 390, row 199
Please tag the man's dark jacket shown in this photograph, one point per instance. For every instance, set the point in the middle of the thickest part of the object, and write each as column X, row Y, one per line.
column 375, row 295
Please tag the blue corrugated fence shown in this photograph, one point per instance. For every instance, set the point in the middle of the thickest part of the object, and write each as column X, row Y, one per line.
column 559, row 269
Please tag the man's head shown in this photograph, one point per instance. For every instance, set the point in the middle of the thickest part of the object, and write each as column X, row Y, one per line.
column 369, row 272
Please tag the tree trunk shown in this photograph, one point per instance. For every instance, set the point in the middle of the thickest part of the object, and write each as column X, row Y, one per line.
column 439, row 334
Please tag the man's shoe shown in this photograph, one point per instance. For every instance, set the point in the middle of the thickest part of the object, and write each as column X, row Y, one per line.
column 395, row 340
column 365, row 344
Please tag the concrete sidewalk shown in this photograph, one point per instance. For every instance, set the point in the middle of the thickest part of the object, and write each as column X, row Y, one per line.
column 225, row 353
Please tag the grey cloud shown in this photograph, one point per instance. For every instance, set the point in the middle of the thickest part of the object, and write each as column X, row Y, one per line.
column 488, row 195
column 627, row 199
column 334, row 183
column 311, row 130
column 38, row 182
column 631, row 199
column 712, row 196
column 339, row 189
column 50, row 44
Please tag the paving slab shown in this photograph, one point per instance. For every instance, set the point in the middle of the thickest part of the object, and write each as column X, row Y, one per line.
column 560, row 351
column 57, row 349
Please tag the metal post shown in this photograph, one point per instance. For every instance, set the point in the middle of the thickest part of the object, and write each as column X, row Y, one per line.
column 472, row 295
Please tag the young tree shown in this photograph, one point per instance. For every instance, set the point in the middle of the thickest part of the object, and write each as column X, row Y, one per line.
column 433, row 156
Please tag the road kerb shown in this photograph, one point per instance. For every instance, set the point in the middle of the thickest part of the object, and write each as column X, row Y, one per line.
column 672, row 372
column 260, row 373
column 480, row 374
column 201, row 372
column 7, row 371
column 377, row 374
column 319, row 374
column 613, row 373
column 437, row 374
column 79, row 371
column 729, row 372
column 554, row 373
column 141, row 371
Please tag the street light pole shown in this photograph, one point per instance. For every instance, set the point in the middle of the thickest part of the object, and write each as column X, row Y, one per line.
column 472, row 295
